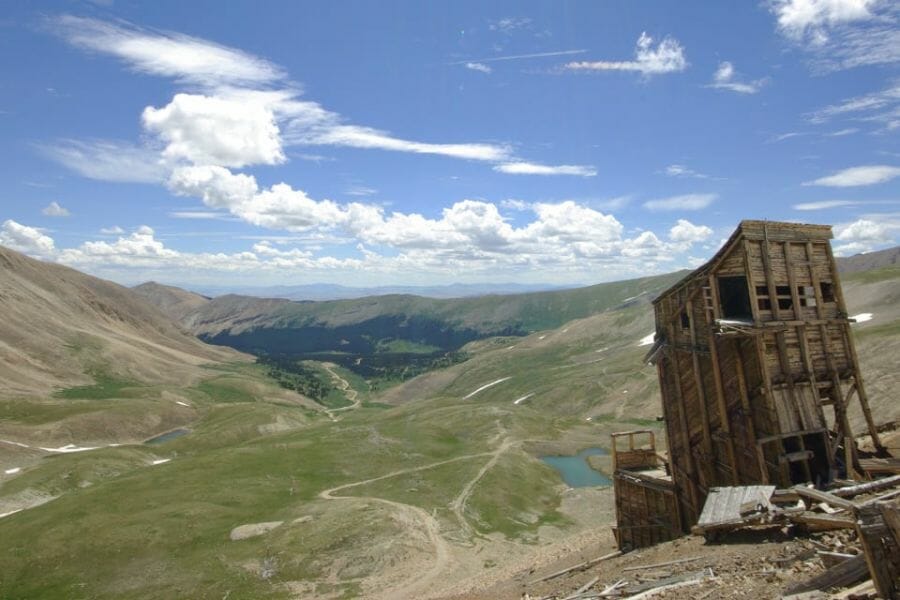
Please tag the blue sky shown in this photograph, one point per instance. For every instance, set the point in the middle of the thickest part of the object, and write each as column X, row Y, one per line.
column 373, row 143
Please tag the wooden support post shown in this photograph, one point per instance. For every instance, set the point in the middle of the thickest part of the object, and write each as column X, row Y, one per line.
column 720, row 391
column 698, row 381
column 854, row 358
column 689, row 462
column 748, row 413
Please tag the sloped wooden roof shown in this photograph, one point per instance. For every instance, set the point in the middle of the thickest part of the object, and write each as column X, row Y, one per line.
column 777, row 231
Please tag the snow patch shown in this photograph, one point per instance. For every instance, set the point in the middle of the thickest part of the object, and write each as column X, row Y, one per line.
column 647, row 339
column 69, row 448
column 160, row 461
column 12, row 512
column 15, row 444
column 862, row 317
column 542, row 337
column 523, row 398
column 566, row 330
column 13, row 471
column 486, row 386
column 603, row 349
column 182, row 403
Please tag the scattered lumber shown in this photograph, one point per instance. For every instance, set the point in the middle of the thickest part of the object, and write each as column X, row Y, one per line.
column 577, row 593
column 865, row 488
column 843, row 574
column 823, row 522
column 670, row 583
column 579, row 566
column 663, row 564
column 882, row 554
column 820, row 496
column 880, row 466
column 830, row 559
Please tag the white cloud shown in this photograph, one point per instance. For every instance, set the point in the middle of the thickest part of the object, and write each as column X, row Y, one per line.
column 480, row 67
column 216, row 130
column 527, row 168
column 812, row 18
column 683, row 202
column 724, row 79
column 865, row 235
column 108, row 160
column 114, row 230
column 685, row 231
column 28, row 240
column 360, row 190
column 842, row 34
column 509, row 25
column 858, row 176
column 683, row 171
column 187, row 59
column 666, row 57
column 521, row 56
column 55, row 210
column 216, row 186
column 823, row 204
column 880, row 107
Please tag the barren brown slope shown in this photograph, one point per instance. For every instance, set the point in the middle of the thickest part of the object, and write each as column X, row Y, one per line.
column 61, row 328
column 174, row 302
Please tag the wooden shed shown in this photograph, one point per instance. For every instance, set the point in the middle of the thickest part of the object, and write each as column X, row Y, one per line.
column 757, row 366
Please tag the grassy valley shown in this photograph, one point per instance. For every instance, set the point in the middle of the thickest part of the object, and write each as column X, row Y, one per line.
column 411, row 490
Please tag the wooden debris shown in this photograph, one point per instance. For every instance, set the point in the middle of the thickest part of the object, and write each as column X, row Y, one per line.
column 865, row 488
column 577, row 593
column 841, row 575
column 664, row 564
column 670, row 583
column 823, row 522
column 881, row 550
column 830, row 559
column 579, row 566
column 880, row 466
column 820, row 496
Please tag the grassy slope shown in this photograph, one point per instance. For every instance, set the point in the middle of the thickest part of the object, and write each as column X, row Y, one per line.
column 162, row 531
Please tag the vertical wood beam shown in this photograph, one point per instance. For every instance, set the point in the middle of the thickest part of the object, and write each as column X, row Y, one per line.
column 851, row 348
column 748, row 413
column 698, row 381
column 720, row 392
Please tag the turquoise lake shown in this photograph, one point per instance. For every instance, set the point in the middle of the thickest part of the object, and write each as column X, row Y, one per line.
column 576, row 471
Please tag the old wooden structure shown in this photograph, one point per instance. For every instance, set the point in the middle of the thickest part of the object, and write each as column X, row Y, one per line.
column 646, row 508
column 757, row 367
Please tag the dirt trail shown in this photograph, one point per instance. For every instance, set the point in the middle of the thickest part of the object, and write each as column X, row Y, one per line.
column 443, row 561
column 345, row 387
column 458, row 506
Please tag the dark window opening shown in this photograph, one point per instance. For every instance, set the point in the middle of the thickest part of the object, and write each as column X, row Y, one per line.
column 764, row 304
column 762, row 290
column 827, row 291
column 685, row 320
column 734, row 295
column 785, row 303
column 783, row 290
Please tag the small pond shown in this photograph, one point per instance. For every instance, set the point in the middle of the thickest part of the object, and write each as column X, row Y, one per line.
column 576, row 471
column 168, row 436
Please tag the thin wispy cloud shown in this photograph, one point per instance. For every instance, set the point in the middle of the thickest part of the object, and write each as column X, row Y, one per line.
column 665, row 57
column 249, row 111
column 684, row 172
column 841, row 34
column 682, row 202
column 187, row 59
column 881, row 107
column 725, row 78
column 858, row 176
column 509, row 25
column 520, row 56
column 527, row 168
column 480, row 67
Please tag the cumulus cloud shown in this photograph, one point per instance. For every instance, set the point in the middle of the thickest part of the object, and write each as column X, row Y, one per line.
column 216, row 130
column 858, row 176
column 528, row 168
column 28, row 240
column 685, row 231
column 725, row 79
column 55, row 210
column 864, row 235
column 799, row 18
column 480, row 67
column 666, row 57
column 682, row 202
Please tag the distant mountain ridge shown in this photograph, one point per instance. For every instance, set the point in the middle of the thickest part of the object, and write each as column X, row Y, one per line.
column 870, row 260
column 331, row 291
